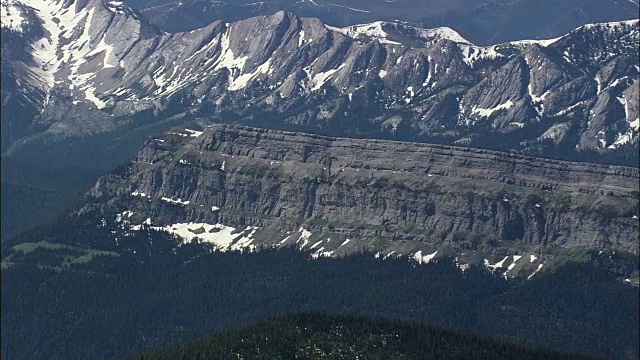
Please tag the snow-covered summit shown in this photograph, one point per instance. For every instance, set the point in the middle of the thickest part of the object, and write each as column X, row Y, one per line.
column 399, row 33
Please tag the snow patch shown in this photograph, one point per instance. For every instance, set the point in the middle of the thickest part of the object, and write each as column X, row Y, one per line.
column 535, row 272
column 138, row 194
column 174, row 201
column 12, row 16
column 621, row 139
column 443, row 33
column 233, row 64
column 543, row 43
column 497, row 265
column 472, row 54
column 410, row 91
column 373, row 30
column 283, row 241
column 194, row 133
column 571, row 108
column 424, row 259
column 116, row 7
column 315, row 245
column 321, row 253
column 599, row 82
column 90, row 94
column 429, row 72
column 242, row 80
column 304, row 237
column 321, row 78
column 61, row 25
column 223, row 237
column 124, row 216
column 513, row 264
column 627, row 136
column 487, row 112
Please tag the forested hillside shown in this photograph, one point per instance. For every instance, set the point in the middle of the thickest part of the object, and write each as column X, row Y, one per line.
column 314, row 336
column 76, row 290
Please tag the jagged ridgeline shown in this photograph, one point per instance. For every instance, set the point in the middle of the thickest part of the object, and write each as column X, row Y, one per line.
column 489, row 23
column 240, row 188
column 316, row 335
column 573, row 97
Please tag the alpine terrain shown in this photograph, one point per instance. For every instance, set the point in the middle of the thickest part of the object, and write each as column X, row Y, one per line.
column 484, row 22
column 244, row 188
column 175, row 170
column 92, row 67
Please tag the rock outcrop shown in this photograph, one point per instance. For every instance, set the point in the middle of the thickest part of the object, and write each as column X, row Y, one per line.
column 383, row 196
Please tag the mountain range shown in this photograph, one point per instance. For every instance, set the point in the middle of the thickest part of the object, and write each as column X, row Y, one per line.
column 96, row 67
column 471, row 166
column 489, row 22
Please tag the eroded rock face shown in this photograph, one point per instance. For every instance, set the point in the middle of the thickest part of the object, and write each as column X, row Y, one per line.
column 384, row 196
column 105, row 62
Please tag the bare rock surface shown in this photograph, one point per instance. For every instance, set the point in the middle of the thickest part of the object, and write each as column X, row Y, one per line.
column 384, row 196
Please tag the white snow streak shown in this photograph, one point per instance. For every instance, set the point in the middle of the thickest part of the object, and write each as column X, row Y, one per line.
column 174, row 201
column 535, row 272
column 488, row 112
column 515, row 259
column 321, row 78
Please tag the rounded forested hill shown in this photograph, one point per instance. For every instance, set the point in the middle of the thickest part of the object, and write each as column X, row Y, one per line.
column 311, row 335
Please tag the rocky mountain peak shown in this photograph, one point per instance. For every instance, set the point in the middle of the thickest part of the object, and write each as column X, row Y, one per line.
column 410, row 82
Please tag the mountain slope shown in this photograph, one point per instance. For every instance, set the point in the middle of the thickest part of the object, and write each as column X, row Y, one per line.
column 80, row 291
column 561, row 97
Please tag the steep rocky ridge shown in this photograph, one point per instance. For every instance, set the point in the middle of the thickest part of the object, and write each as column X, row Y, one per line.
column 488, row 22
column 106, row 64
column 392, row 198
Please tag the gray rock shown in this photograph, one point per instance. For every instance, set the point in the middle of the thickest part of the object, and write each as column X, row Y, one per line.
column 110, row 61
column 384, row 195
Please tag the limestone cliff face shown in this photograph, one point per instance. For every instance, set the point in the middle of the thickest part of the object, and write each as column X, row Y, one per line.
column 385, row 196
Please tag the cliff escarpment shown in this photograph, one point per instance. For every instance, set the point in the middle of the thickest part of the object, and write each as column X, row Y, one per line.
column 382, row 196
